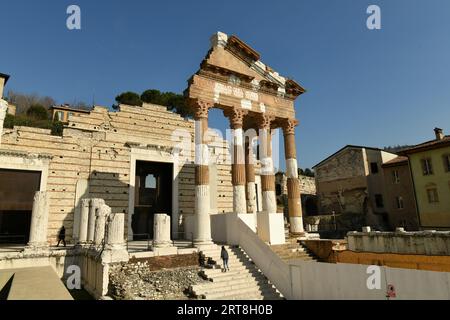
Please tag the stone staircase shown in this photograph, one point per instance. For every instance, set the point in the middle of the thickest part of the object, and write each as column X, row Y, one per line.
column 292, row 250
column 244, row 281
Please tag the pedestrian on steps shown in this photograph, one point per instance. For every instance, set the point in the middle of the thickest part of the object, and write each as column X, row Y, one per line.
column 224, row 256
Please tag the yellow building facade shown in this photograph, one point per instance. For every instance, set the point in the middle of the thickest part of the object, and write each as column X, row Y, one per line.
column 430, row 171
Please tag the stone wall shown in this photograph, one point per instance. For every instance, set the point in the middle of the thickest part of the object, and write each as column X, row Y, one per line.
column 341, row 182
column 92, row 159
column 421, row 242
column 348, row 163
column 307, row 184
column 405, row 216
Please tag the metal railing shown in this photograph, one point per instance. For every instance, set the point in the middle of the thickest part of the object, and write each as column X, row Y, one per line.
column 146, row 237
column 190, row 237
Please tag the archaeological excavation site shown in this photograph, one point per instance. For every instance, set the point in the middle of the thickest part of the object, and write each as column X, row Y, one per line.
column 138, row 201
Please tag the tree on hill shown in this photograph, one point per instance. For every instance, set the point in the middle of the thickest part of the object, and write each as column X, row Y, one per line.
column 397, row 148
column 37, row 112
column 173, row 101
column 23, row 101
column 309, row 173
column 129, row 98
column 306, row 172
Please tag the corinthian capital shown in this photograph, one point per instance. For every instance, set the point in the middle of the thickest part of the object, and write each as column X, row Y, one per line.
column 200, row 108
column 264, row 120
column 236, row 116
column 289, row 126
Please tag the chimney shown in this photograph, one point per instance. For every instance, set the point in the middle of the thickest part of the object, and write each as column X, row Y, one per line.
column 3, row 80
column 439, row 134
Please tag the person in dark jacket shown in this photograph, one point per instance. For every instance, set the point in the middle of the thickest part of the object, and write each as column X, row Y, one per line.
column 224, row 256
column 62, row 236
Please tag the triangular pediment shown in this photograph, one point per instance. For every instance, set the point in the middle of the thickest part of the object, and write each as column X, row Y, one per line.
column 233, row 76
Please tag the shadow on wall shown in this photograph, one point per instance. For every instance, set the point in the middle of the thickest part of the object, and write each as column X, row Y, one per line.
column 103, row 185
column 152, row 194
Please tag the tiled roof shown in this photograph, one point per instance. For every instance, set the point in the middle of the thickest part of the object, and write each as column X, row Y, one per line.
column 429, row 145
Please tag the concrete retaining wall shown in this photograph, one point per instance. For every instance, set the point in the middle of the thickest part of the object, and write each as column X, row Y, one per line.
column 315, row 280
column 422, row 242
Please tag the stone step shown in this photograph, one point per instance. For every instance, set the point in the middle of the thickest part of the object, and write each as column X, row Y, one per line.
column 228, row 276
column 238, row 269
column 257, row 296
column 228, row 295
column 243, row 281
column 235, row 265
column 217, row 255
column 235, row 288
column 286, row 257
column 231, row 259
column 225, row 284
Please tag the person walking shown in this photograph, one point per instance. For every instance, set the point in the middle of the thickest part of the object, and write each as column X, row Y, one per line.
column 62, row 236
column 224, row 256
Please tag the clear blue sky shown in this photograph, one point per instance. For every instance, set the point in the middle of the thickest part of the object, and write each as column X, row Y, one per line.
column 374, row 88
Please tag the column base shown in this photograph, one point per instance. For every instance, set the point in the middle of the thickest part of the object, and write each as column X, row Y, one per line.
column 163, row 244
column 115, row 255
column 296, row 225
column 166, row 251
column 271, row 227
column 202, row 244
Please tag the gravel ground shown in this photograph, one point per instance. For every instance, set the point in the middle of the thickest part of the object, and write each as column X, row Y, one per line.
column 138, row 279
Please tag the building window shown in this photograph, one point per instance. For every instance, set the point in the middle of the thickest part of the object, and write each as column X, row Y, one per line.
column 400, row 203
column 427, row 167
column 59, row 116
column 446, row 162
column 71, row 114
column 395, row 177
column 374, row 167
column 432, row 195
column 379, row 201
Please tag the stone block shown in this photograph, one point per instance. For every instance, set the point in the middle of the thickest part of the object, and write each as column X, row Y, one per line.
column 271, row 227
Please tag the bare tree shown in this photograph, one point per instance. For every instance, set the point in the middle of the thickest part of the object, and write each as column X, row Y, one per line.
column 24, row 101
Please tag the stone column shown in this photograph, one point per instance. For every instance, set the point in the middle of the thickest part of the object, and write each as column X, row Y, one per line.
column 267, row 171
column 116, row 231
column 236, row 117
column 270, row 224
column 39, row 220
column 202, row 231
column 161, row 231
column 250, row 177
column 115, row 248
column 100, row 223
column 3, row 110
column 293, row 182
column 95, row 205
column 84, row 221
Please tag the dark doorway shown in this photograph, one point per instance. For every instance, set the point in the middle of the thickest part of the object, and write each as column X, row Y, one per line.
column 17, row 189
column 311, row 206
column 153, row 194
